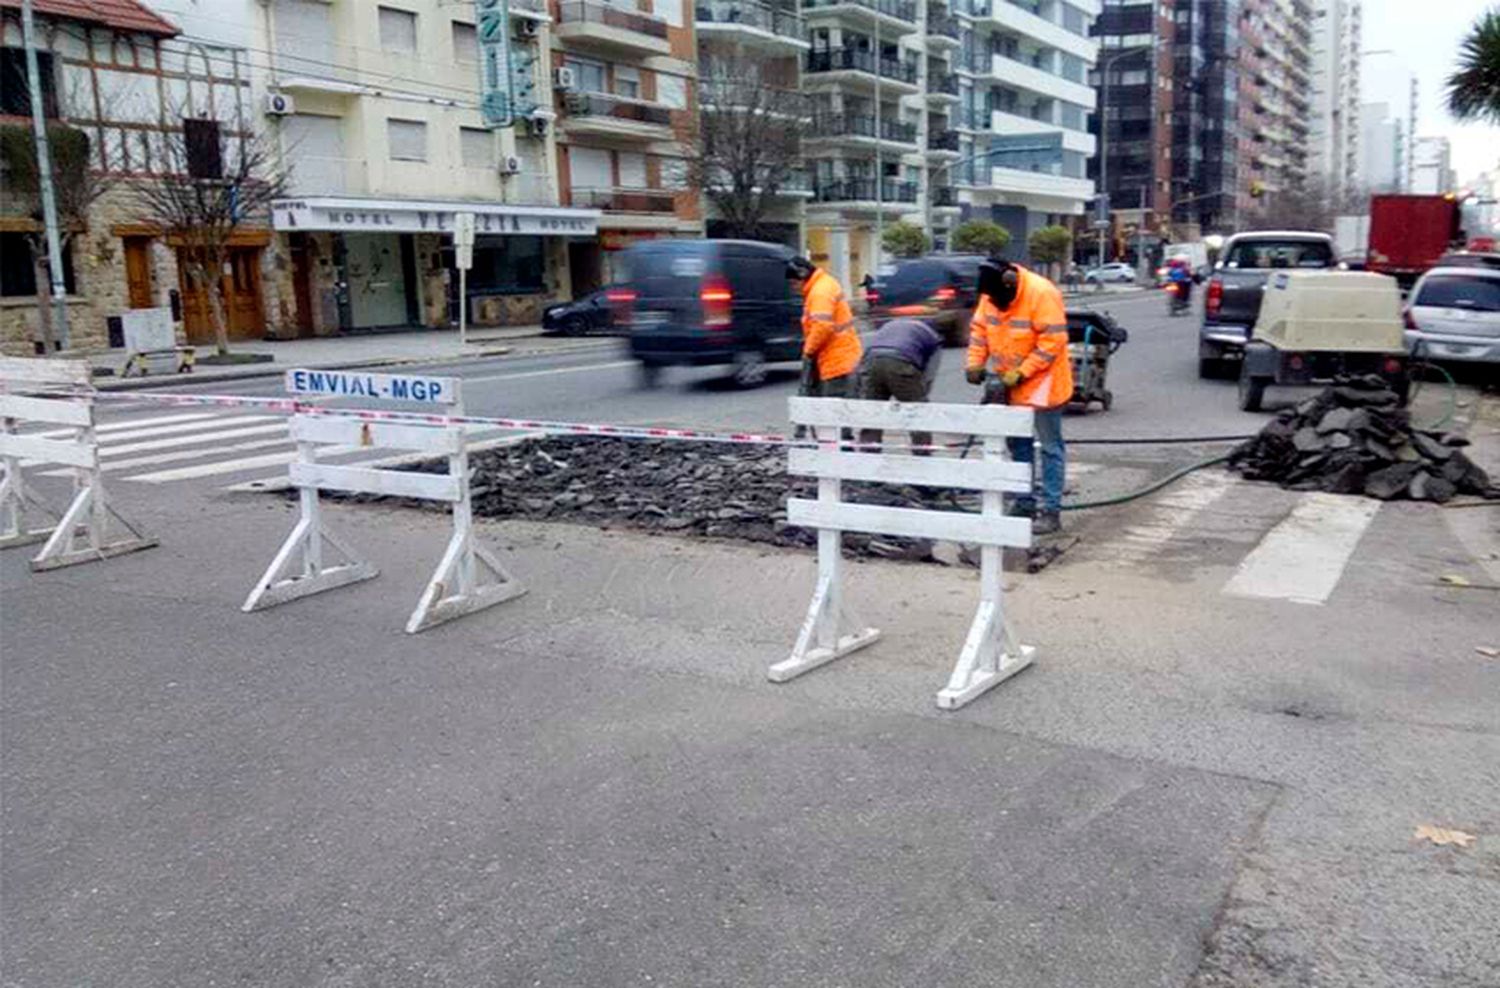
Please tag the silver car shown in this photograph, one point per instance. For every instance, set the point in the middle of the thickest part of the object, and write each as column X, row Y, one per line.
column 1453, row 313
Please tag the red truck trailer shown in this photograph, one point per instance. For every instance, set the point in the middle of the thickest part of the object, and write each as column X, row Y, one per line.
column 1409, row 233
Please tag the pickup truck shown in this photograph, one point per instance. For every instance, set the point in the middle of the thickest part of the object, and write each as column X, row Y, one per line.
column 1231, row 302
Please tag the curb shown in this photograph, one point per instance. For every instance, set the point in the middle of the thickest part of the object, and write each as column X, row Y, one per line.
column 276, row 370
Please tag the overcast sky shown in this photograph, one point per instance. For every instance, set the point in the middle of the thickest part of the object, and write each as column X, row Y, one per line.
column 1425, row 34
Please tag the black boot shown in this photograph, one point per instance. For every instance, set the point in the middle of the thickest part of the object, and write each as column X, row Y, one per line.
column 1046, row 523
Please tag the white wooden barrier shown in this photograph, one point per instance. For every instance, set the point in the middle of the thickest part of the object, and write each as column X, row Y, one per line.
column 990, row 653
column 86, row 529
column 468, row 578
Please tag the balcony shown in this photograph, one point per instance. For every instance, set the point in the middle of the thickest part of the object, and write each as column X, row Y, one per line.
column 535, row 9
column 943, row 143
column 904, row 11
column 1023, row 22
column 755, row 25
column 610, row 29
column 943, row 29
column 862, row 190
column 651, row 201
column 1028, row 183
column 603, row 115
column 903, row 74
column 1042, row 82
column 862, row 127
column 942, row 85
column 1017, row 124
column 944, row 197
column 972, row 8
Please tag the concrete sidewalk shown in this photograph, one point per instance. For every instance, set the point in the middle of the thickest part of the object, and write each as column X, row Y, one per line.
column 336, row 352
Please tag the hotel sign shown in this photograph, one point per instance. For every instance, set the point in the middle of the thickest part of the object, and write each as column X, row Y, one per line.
column 378, row 216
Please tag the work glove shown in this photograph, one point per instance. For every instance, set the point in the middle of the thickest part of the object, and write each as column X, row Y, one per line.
column 809, row 381
column 974, row 375
column 1011, row 378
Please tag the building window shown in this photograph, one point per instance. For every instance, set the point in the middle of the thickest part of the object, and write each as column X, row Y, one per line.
column 1074, row 20
column 407, row 139
column 627, row 81
column 15, row 93
column 17, row 272
column 398, row 30
column 589, row 75
column 508, row 266
column 465, row 42
column 476, row 147
column 1072, row 67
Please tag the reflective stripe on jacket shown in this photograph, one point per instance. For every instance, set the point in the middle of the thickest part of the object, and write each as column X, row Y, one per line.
column 828, row 332
column 1031, row 337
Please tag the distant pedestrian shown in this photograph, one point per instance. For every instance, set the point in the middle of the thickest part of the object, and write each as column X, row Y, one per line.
column 900, row 362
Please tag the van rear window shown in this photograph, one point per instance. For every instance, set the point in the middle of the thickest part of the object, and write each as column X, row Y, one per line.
column 1280, row 254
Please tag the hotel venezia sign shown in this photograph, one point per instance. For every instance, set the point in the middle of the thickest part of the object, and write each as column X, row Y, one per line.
column 405, row 216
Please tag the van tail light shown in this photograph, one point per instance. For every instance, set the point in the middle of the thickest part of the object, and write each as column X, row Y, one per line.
column 1214, row 299
column 1296, row 362
column 872, row 297
column 718, row 303
column 1392, row 365
column 621, row 302
column 1407, row 320
column 945, row 294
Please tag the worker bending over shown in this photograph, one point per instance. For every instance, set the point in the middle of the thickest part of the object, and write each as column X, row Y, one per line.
column 900, row 362
column 1020, row 332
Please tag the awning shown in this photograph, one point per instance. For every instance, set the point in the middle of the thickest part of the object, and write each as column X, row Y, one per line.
column 359, row 215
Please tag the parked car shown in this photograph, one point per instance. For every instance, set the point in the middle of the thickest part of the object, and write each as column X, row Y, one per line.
column 1453, row 313
column 941, row 289
column 1469, row 259
column 1116, row 271
column 709, row 302
column 590, row 314
column 1231, row 301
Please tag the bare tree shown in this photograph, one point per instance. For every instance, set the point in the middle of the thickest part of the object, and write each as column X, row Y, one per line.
column 748, row 141
column 214, row 182
column 76, row 186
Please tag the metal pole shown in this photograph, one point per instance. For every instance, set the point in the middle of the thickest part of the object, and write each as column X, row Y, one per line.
column 1103, row 152
column 44, row 181
column 879, row 176
column 463, row 306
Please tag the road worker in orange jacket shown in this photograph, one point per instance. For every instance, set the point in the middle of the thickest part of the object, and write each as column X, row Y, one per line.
column 830, row 343
column 1020, row 334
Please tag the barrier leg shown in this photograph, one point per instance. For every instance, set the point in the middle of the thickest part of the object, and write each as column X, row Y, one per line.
column 469, row 578
column 15, row 500
column 297, row 569
column 990, row 654
column 819, row 641
column 90, row 512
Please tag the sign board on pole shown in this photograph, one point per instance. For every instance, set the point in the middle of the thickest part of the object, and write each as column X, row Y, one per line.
column 463, row 240
column 390, row 387
column 496, row 98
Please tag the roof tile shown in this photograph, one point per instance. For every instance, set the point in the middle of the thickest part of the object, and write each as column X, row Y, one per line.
column 123, row 15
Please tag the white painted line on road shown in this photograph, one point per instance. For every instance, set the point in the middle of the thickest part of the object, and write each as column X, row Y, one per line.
column 211, row 469
column 132, row 462
column 213, row 422
column 555, row 370
column 1170, row 513
column 1303, row 557
column 132, row 424
column 107, row 451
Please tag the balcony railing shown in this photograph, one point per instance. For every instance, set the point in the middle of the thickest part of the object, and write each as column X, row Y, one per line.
column 772, row 19
column 625, row 200
column 942, row 140
column 863, row 125
column 902, row 10
column 605, row 105
column 945, row 195
column 943, row 24
column 860, row 60
column 973, row 8
column 863, row 190
column 945, row 83
column 589, row 12
column 530, row 6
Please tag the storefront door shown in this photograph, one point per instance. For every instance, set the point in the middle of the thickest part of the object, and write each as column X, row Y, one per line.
column 376, row 279
column 244, row 313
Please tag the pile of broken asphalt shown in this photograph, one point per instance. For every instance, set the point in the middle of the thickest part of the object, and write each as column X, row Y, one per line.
column 1354, row 439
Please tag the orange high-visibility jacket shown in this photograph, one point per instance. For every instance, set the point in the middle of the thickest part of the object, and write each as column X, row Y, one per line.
column 828, row 332
column 1031, row 336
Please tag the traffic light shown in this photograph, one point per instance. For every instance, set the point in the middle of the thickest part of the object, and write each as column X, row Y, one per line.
column 1257, row 188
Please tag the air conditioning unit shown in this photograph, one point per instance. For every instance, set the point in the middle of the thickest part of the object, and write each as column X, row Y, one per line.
column 527, row 27
column 564, row 78
column 279, row 105
column 536, row 126
column 510, row 165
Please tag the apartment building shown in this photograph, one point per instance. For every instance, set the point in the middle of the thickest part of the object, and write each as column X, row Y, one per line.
column 1383, row 142
column 1335, row 152
column 1432, row 167
column 743, row 45
column 1206, row 117
column 1137, row 90
column 1022, row 114
column 117, row 83
column 1276, row 109
column 625, row 101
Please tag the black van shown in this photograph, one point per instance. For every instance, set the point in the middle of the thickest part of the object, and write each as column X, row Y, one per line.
column 704, row 302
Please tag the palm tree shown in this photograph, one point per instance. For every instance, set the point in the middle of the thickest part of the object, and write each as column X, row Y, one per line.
column 1474, row 90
